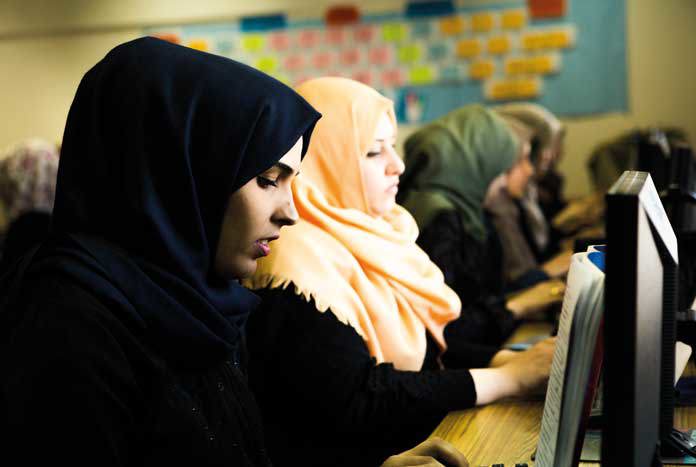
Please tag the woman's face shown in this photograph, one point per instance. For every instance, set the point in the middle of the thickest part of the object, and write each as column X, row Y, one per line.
column 551, row 154
column 519, row 174
column 255, row 213
column 381, row 168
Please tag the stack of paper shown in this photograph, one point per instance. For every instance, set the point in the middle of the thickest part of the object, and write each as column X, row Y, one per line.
column 576, row 362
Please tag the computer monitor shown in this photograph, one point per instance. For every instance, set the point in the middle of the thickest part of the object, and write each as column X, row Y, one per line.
column 639, row 338
column 679, row 197
column 654, row 156
column 679, row 200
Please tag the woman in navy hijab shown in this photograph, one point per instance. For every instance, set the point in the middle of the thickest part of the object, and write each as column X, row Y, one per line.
column 123, row 334
column 126, row 330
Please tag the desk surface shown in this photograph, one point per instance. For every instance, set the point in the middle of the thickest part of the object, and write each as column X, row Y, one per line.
column 507, row 431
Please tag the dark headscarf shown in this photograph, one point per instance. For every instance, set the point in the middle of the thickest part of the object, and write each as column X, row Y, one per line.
column 451, row 162
column 157, row 139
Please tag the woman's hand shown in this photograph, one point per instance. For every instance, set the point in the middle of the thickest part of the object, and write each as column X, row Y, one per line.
column 522, row 374
column 432, row 452
column 588, row 210
column 530, row 370
column 536, row 299
column 558, row 266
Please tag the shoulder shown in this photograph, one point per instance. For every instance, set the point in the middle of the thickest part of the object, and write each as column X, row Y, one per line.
column 285, row 312
column 446, row 225
column 58, row 320
column 289, row 304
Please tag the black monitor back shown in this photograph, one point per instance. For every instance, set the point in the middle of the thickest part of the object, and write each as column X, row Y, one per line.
column 641, row 272
column 679, row 197
column 654, row 157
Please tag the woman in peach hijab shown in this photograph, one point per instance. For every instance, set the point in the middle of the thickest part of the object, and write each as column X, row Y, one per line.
column 350, row 352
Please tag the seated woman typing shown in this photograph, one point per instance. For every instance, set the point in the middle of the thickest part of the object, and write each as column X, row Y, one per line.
column 352, row 350
column 521, row 260
column 539, row 201
column 122, row 340
column 546, row 188
column 452, row 165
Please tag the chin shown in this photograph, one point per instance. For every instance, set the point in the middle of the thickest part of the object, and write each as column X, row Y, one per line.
column 388, row 206
column 240, row 270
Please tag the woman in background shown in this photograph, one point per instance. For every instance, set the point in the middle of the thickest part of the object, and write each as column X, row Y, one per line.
column 519, row 223
column 546, row 187
column 123, row 337
column 451, row 165
column 27, row 189
column 359, row 339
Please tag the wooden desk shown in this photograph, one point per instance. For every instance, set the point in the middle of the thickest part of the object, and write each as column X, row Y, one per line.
column 507, row 431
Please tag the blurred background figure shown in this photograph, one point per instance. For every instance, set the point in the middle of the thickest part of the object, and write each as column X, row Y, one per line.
column 28, row 174
column 647, row 149
column 460, row 172
column 548, row 133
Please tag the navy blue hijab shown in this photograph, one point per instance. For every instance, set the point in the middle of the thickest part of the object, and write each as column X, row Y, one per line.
column 157, row 139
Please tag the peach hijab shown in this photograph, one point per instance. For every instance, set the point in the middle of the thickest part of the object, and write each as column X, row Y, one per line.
column 367, row 270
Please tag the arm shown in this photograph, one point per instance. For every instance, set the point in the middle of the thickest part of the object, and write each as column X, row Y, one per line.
column 474, row 338
column 485, row 318
column 69, row 390
column 310, row 362
column 517, row 374
column 307, row 364
column 460, row 257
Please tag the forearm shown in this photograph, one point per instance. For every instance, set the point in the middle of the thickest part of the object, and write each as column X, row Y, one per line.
column 493, row 384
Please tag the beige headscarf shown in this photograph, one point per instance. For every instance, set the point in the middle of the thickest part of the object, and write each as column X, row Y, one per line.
column 518, row 258
column 367, row 270
column 547, row 128
column 549, row 131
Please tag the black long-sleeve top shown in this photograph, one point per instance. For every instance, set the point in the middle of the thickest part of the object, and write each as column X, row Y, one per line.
column 474, row 271
column 472, row 268
column 80, row 386
column 320, row 390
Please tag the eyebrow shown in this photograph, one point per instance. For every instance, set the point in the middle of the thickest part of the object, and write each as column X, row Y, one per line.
column 285, row 169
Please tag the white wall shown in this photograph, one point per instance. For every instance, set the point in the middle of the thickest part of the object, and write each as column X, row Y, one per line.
column 47, row 45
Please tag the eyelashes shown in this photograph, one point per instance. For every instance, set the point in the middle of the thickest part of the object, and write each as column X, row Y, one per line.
column 377, row 153
column 266, row 182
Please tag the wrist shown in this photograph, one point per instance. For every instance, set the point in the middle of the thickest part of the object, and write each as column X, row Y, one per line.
column 515, row 307
column 501, row 358
column 493, row 384
column 548, row 270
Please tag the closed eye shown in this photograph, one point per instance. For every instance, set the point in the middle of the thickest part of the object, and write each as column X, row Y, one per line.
column 266, row 182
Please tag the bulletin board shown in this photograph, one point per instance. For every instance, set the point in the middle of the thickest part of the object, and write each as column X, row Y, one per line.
column 432, row 56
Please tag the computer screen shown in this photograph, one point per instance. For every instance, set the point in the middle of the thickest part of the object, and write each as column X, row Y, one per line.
column 639, row 338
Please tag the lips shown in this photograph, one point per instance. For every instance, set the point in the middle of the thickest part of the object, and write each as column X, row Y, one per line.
column 262, row 246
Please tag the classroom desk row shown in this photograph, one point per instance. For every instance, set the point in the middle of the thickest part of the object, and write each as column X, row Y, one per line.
column 506, row 432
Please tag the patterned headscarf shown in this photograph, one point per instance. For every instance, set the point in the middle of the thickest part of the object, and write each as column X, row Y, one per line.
column 28, row 178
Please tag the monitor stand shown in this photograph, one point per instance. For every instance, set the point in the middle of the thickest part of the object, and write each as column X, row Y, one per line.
column 678, row 444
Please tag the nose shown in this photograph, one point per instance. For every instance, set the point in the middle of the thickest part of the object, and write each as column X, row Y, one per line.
column 529, row 167
column 395, row 165
column 286, row 214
